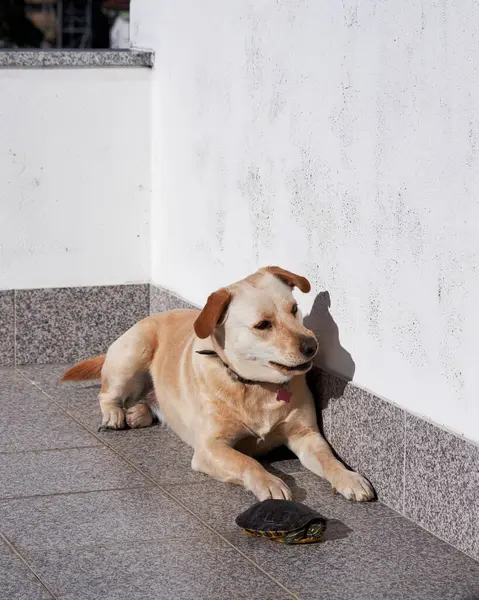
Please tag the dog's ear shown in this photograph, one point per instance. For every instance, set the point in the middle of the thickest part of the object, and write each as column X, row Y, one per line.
column 290, row 279
column 213, row 313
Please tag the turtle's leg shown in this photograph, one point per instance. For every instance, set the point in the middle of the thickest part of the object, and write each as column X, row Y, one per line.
column 217, row 458
column 315, row 454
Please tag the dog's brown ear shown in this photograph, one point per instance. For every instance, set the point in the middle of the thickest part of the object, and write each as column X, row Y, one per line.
column 212, row 313
column 290, row 279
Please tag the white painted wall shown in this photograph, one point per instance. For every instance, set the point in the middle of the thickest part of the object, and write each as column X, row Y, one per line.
column 339, row 139
column 75, row 168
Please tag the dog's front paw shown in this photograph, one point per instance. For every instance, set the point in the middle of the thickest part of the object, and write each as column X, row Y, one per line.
column 352, row 486
column 269, row 486
column 113, row 418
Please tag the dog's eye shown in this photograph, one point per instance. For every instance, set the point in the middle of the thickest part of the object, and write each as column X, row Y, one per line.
column 294, row 310
column 263, row 325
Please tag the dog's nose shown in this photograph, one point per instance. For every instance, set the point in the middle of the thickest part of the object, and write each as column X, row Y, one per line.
column 308, row 346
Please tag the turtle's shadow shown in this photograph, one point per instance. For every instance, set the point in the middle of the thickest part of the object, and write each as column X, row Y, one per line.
column 335, row 530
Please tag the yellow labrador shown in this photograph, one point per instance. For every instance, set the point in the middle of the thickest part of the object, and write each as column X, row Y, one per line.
column 229, row 381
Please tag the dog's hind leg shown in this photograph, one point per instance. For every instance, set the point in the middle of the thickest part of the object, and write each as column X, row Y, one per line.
column 139, row 415
column 125, row 377
column 116, row 389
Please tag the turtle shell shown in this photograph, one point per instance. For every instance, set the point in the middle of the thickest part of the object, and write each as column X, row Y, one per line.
column 277, row 516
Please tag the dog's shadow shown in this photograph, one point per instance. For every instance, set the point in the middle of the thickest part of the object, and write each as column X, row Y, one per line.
column 332, row 355
column 332, row 358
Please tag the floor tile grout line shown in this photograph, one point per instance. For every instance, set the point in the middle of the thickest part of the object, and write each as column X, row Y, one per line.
column 424, row 528
column 160, row 487
column 112, row 544
column 166, row 492
column 79, row 492
column 26, row 563
column 36, row 450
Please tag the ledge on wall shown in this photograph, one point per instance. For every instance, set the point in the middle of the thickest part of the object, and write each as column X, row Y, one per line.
column 40, row 59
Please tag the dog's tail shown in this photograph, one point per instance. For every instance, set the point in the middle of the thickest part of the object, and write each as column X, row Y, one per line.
column 86, row 369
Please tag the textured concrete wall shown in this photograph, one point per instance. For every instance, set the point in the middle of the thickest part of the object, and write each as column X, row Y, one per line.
column 338, row 139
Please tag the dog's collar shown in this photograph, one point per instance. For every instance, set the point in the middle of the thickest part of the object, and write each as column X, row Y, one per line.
column 233, row 374
column 284, row 392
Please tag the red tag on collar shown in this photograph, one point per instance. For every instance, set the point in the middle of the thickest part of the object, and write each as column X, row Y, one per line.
column 283, row 394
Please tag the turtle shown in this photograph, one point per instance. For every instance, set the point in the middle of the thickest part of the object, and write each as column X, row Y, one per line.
column 283, row 521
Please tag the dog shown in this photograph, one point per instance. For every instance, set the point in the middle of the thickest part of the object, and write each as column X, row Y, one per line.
column 229, row 380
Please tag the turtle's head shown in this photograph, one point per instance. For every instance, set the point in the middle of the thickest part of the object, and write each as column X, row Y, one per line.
column 315, row 530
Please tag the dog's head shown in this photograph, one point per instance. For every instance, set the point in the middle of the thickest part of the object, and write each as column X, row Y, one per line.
column 258, row 328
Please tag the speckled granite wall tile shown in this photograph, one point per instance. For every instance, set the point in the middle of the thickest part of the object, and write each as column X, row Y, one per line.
column 442, row 484
column 368, row 434
column 7, row 328
column 67, row 324
column 162, row 300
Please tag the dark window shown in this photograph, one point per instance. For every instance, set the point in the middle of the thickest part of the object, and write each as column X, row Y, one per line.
column 64, row 24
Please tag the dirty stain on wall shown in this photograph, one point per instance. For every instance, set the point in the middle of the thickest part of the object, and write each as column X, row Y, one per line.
column 340, row 140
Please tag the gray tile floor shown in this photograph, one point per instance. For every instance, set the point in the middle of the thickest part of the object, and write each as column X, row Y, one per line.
column 120, row 515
